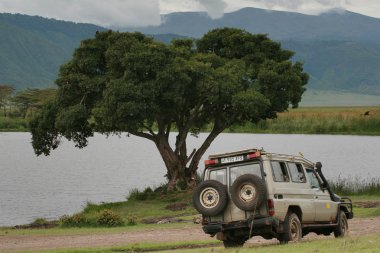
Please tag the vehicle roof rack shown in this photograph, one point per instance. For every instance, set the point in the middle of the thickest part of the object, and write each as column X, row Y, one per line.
column 241, row 152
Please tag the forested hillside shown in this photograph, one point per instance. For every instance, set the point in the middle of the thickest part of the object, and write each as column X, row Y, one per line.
column 340, row 49
column 33, row 48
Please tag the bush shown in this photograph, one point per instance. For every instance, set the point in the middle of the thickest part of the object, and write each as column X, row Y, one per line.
column 39, row 221
column 76, row 220
column 356, row 186
column 148, row 193
column 109, row 218
column 132, row 219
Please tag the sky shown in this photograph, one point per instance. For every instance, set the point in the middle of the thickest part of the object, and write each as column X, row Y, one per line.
column 123, row 13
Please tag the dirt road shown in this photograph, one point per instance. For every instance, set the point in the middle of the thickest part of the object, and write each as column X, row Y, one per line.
column 360, row 226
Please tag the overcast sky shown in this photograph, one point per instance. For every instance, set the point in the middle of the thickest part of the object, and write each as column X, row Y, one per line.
column 147, row 12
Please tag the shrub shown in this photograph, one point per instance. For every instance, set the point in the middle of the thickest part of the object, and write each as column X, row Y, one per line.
column 356, row 186
column 135, row 194
column 109, row 218
column 40, row 221
column 76, row 220
column 132, row 219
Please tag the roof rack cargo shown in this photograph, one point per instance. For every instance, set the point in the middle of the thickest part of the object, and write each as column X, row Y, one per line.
column 241, row 152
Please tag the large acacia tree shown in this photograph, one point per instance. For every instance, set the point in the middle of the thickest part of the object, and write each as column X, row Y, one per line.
column 127, row 82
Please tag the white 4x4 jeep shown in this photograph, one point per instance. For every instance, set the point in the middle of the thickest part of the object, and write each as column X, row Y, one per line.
column 253, row 192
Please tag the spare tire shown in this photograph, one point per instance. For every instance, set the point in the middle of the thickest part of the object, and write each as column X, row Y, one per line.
column 248, row 192
column 210, row 197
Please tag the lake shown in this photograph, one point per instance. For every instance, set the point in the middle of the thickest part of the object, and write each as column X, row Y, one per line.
column 48, row 187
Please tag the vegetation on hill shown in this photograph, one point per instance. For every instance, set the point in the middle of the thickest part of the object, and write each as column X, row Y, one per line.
column 33, row 48
column 340, row 50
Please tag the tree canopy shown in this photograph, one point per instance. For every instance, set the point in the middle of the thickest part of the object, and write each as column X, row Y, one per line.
column 127, row 82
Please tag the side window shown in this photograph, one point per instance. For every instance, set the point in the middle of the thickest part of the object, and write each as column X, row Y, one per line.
column 312, row 179
column 237, row 171
column 280, row 173
column 219, row 175
column 296, row 172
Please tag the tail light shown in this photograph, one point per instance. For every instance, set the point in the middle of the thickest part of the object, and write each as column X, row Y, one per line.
column 211, row 162
column 254, row 155
column 271, row 207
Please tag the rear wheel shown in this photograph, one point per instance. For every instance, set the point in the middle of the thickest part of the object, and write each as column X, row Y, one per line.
column 210, row 197
column 342, row 229
column 292, row 229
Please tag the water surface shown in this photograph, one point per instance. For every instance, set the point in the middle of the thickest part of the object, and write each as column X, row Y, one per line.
column 33, row 187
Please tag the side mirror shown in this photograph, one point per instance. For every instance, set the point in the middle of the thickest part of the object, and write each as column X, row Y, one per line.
column 318, row 165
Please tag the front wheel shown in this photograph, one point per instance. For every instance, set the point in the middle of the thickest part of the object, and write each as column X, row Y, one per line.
column 292, row 229
column 342, row 229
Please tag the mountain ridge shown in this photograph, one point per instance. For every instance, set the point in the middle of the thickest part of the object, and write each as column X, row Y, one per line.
column 32, row 48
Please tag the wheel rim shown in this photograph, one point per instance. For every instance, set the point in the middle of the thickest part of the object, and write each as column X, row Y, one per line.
column 294, row 230
column 247, row 192
column 209, row 198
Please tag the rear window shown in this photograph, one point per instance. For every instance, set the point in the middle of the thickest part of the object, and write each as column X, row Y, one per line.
column 236, row 171
column 280, row 173
column 219, row 175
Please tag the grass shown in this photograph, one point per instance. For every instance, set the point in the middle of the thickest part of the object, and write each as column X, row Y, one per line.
column 305, row 120
column 139, row 247
column 356, row 186
column 319, row 120
column 8, row 124
column 356, row 244
column 141, row 208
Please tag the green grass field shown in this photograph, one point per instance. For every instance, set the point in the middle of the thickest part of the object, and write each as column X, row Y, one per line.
column 319, row 120
column 304, row 120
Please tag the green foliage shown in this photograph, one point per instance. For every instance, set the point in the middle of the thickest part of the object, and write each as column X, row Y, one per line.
column 127, row 82
column 132, row 219
column 39, row 221
column 76, row 220
column 32, row 48
column 29, row 100
column 109, row 218
column 319, row 120
column 148, row 193
column 348, row 186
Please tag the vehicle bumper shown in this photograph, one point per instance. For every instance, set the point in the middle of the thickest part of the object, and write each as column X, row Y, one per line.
column 269, row 223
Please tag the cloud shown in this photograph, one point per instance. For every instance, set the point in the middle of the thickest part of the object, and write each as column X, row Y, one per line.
column 303, row 6
column 214, row 8
column 107, row 13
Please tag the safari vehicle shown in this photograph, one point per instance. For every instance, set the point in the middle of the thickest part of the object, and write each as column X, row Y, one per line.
column 253, row 192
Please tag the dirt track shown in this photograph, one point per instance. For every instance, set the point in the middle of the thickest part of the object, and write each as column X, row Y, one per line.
column 18, row 243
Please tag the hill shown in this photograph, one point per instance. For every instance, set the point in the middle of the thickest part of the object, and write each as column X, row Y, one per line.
column 33, row 48
column 280, row 25
column 340, row 49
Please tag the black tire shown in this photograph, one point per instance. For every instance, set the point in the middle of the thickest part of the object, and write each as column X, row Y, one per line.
column 292, row 229
column 229, row 243
column 248, row 192
column 342, row 229
column 210, row 198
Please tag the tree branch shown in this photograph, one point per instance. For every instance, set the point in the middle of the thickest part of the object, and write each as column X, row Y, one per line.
column 149, row 130
column 144, row 135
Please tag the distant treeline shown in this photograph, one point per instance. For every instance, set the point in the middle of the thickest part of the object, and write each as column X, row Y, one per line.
column 18, row 107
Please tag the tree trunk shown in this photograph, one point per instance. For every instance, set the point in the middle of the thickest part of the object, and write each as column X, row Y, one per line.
column 178, row 174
